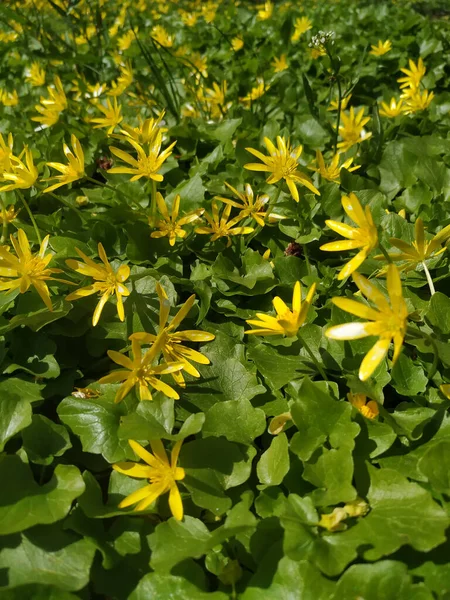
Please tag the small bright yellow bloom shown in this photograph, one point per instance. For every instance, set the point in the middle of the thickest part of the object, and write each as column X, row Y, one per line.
column 445, row 389
column 73, row 171
column 113, row 116
column 301, row 26
column 35, row 75
column 414, row 75
column 265, row 11
column 145, row 165
column 107, row 282
column 381, row 48
column 388, row 321
column 364, row 236
column 255, row 93
column 352, row 129
column 189, row 19
column 147, row 131
column 333, row 521
column 141, row 373
column 280, row 64
column 209, row 12
column 124, row 42
column 332, row 172
column 420, row 249
column 9, row 98
column 161, row 473
column 237, row 43
column 367, row 409
column 6, row 153
column 418, row 101
column 160, row 35
column 249, row 206
column 51, row 107
column 219, row 226
column 9, row 214
column 282, row 163
column 172, row 341
column 22, row 176
column 27, row 269
column 393, row 109
column 215, row 100
column 334, row 104
column 287, row 322
column 170, row 225
column 124, row 80
column 316, row 53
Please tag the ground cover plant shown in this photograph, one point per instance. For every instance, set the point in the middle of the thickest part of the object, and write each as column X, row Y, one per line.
column 224, row 300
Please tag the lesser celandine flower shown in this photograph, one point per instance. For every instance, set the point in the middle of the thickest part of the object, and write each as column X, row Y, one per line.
column 332, row 171
column 381, row 48
column 280, row 64
column 140, row 372
column 287, row 322
column 9, row 98
column 265, row 11
column 418, row 101
column 161, row 35
column 413, row 75
column 220, row 226
column 6, row 152
column 27, row 269
column 51, row 107
column 107, row 282
column 172, row 340
column 71, row 172
column 20, row 175
column 352, row 129
column 124, row 80
column 124, row 42
column 282, row 163
column 256, row 92
column 161, row 473
column 215, row 100
column 368, row 409
column 112, row 116
column 393, row 109
column 387, row 321
column 301, row 26
column 147, row 131
column 146, row 165
column 237, row 43
column 249, row 206
column 334, row 104
column 364, row 236
column 170, row 225
column 35, row 75
column 8, row 214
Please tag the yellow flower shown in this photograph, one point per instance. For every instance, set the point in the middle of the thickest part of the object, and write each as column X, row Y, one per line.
column 301, row 26
column 189, row 19
column 209, row 12
column 51, row 107
column 255, row 93
column 287, row 322
column 146, row 165
column 332, row 172
column 35, row 75
column 333, row 520
column 282, row 164
column 316, row 53
column 352, row 129
column 160, row 35
column 124, row 42
column 388, row 321
column 6, row 152
column 106, row 282
column 249, row 206
column 420, row 249
column 414, row 75
column 172, row 341
column 367, row 409
column 237, row 43
column 161, row 473
column 215, row 100
column 9, row 214
column 49, row 116
column 113, row 116
column 277, row 424
column 22, row 176
column 393, row 109
column 418, row 101
column 170, row 225
column 72, row 171
column 219, row 226
column 9, row 98
column 141, row 373
column 280, row 64
column 124, row 81
column 365, row 236
column 27, row 269
column 147, row 131
column 381, row 48
column 334, row 104
column 445, row 389
column 265, row 11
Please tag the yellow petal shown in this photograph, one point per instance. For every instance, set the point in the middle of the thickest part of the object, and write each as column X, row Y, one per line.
column 373, row 358
column 175, row 503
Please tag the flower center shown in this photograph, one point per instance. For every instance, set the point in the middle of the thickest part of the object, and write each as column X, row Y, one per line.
column 147, row 166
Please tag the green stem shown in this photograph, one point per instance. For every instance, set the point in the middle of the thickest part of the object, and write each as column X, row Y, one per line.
column 417, row 333
column 385, row 253
column 308, row 264
column 313, row 358
column 430, row 281
column 109, row 187
column 30, row 214
column 338, row 122
column 5, row 223
column 153, row 206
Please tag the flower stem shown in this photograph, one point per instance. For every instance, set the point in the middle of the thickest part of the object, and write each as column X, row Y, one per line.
column 313, row 358
column 30, row 214
column 5, row 223
column 338, row 121
column 385, row 253
column 430, row 281
column 417, row 333
column 153, row 206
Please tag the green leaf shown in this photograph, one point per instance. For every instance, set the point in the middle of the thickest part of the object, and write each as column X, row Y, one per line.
column 151, row 421
column 278, row 369
column 43, row 440
column 236, row 420
column 25, row 503
column 47, row 555
column 15, row 415
column 192, row 194
column 157, row 585
column 33, row 354
column 439, row 312
column 435, row 465
column 408, row 378
column 332, row 474
column 36, row 591
column 96, row 422
column 274, row 463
